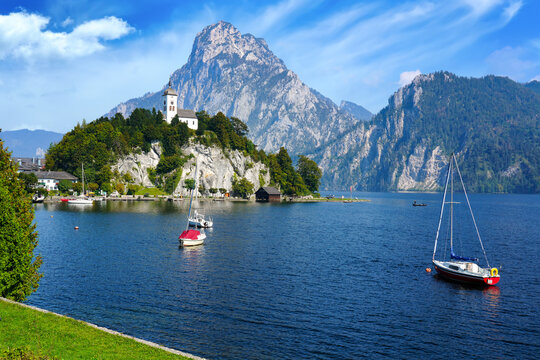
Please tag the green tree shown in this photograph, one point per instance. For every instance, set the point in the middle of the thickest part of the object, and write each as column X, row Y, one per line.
column 106, row 187
column 77, row 187
column 243, row 188
column 310, row 172
column 19, row 276
column 29, row 180
column 239, row 126
column 42, row 191
column 189, row 184
column 93, row 187
column 120, row 188
column 64, row 185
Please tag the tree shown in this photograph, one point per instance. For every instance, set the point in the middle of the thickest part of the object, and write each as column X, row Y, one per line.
column 93, row 187
column 64, row 185
column 29, row 180
column 239, row 127
column 310, row 172
column 189, row 184
column 42, row 192
column 19, row 276
column 77, row 187
column 243, row 188
column 106, row 187
column 120, row 188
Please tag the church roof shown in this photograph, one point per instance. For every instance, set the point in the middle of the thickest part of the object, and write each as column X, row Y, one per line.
column 183, row 113
column 170, row 91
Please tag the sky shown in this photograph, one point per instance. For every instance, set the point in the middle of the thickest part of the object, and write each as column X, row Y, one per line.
column 63, row 61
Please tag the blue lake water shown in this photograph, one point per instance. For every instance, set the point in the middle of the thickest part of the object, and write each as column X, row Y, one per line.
column 289, row 281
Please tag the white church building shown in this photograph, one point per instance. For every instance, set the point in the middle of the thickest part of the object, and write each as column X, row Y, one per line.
column 170, row 108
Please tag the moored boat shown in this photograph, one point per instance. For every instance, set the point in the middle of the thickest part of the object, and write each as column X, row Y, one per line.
column 81, row 200
column 461, row 268
column 199, row 220
column 191, row 237
column 38, row 199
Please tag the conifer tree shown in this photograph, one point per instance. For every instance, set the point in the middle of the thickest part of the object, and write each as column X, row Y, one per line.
column 19, row 274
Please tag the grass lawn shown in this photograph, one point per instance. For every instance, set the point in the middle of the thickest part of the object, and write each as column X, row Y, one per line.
column 45, row 334
column 150, row 191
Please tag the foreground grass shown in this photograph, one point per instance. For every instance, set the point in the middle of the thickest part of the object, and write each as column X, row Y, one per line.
column 51, row 336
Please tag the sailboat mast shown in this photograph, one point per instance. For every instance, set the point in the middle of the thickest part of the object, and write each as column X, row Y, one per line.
column 451, row 201
column 191, row 199
column 472, row 215
column 82, row 170
column 442, row 208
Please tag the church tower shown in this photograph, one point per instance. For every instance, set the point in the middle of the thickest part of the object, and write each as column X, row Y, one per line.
column 170, row 104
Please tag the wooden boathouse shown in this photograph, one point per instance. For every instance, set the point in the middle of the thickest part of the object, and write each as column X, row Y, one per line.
column 268, row 193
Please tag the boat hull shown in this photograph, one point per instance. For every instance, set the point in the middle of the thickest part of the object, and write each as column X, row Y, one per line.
column 191, row 242
column 466, row 278
column 80, row 202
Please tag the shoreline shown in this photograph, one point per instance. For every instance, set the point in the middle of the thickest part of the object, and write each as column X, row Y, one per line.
column 104, row 330
column 285, row 199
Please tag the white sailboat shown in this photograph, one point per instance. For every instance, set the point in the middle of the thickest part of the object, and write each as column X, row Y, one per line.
column 191, row 237
column 460, row 268
column 200, row 221
column 83, row 199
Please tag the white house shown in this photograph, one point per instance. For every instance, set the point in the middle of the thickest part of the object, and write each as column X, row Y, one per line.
column 50, row 179
column 170, row 108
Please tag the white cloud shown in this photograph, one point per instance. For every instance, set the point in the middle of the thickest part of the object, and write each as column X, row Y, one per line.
column 67, row 22
column 536, row 78
column 511, row 10
column 275, row 15
column 406, row 77
column 24, row 35
column 481, row 7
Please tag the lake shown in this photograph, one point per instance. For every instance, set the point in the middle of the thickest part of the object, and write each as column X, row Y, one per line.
column 302, row 280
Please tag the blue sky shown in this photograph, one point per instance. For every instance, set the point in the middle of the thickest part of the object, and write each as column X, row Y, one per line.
column 63, row 61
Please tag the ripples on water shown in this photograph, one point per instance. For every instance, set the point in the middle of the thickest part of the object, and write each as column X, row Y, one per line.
column 323, row 280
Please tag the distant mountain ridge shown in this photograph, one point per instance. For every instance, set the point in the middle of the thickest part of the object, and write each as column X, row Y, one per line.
column 534, row 85
column 358, row 111
column 491, row 123
column 29, row 143
column 239, row 76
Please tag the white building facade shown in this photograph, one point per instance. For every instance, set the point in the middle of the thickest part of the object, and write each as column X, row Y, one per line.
column 170, row 109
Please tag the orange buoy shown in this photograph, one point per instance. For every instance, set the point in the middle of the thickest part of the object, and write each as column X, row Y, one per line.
column 76, row 228
column 428, row 270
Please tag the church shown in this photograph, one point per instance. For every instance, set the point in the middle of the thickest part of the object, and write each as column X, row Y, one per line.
column 170, row 109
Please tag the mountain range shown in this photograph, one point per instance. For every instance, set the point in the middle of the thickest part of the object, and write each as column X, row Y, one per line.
column 29, row 143
column 491, row 123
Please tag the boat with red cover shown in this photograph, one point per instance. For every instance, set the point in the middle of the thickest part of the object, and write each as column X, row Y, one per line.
column 191, row 237
column 461, row 268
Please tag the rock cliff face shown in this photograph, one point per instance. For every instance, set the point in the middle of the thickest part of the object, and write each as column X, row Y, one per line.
column 490, row 124
column 239, row 76
column 216, row 168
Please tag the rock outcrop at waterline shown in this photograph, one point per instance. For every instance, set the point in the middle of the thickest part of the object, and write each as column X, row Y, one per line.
column 217, row 168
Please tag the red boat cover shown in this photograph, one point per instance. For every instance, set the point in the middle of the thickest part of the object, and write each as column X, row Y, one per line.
column 190, row 234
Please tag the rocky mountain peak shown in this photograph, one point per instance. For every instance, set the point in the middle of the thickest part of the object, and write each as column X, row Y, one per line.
column 239, row 75
column 223, row 40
